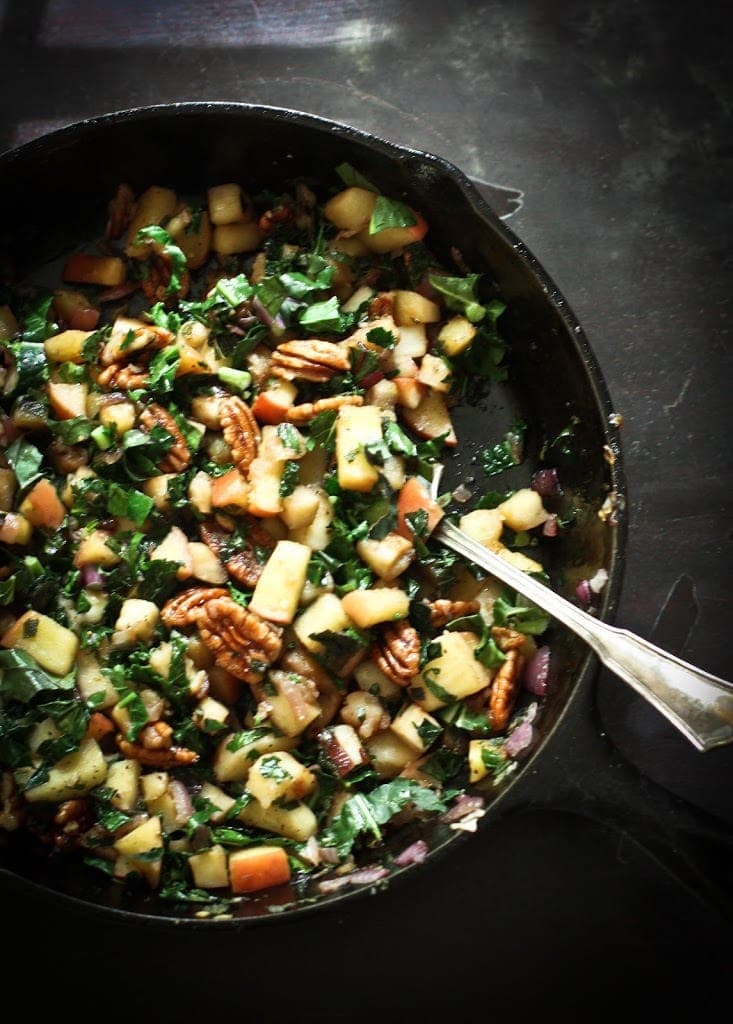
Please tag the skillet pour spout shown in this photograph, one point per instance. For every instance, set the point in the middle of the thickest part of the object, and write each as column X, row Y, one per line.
column 60, row 185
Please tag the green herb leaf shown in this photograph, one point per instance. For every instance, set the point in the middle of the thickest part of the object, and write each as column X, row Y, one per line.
column 129, row 504
column 353, row 178
column 459, row 293
column 23, row 677
column 390, row 213
column 24, row 459
column 507, row 453
column 159, row 236
column 72, row 431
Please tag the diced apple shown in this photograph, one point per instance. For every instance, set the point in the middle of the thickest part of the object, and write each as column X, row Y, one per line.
column 368, row 608
column 383, row 394
column 82, row 268
column 228, row 204
column 121, row 416
column 209, row 715
column 154, row 206
column 327, row 613
column 278, row 589
column 199, row 492
column 15, row 529
column 230, row 492
column 364, row 292
column 518, row 559
column 156, row 487
column 343, row 748
column 300, row 507
column 220, row 800
column 91, row 681
column 484, row 525
column 388, row 557
column 95, row 550
column 205, row 565
column 42, row 506
column 389, row 239
column 136, row 621
column 435, row 373
column 175, row 548
column 265, row 477
column 295, row 703
column 351, row 209
column 278, row 776
column 53, row 646
column 233, row 765
column 394, row 473
column 455, row 673
column 316, row 534
column 478, row 767
column 229, row 239
column 298, row 822
column 124, row 778
column 194, row 242
column 389, row 754
column 271, row 406
column 154, row 785
column 431, row 418
column 413, row 308
column 414, row 497
column 210, row 868
column 128, row 336
column 72, row 776
column 258, row 867
column 140, row 845
column 153, row 704
column 456, row 335
column 356, row 427
column 370, row 678
column 67, row 400
column 416, row 727
column 66, row 347
column 523, row 510
column 410, row 391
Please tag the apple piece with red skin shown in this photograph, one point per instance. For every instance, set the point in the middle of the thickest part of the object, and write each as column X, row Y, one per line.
column 42, row 506
column 413, row 497
column 431, row 418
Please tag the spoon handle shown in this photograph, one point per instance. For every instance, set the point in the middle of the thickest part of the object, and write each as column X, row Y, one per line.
column 699, row 704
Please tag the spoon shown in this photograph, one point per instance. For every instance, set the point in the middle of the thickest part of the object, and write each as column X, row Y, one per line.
column 699, row 704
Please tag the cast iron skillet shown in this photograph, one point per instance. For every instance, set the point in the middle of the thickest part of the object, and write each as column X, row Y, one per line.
column 56, row 189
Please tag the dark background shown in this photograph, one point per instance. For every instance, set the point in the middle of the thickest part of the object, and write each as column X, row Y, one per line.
column 602, row 131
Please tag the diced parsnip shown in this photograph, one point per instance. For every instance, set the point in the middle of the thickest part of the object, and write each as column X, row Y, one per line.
column 175, row 548
column 230, row 492
column 351, row 209
column 455, row 673
column 277, row 593
column 370, row 678
column 300, row 507
column 435, row 373
column 456, row 335
column 210, row 869
column 66, row 347
column 121, row 416
column 257, row 868
column 356, row 427
column 431, row 418
column 278, row 776
column 388, row 557
column 230, row 239
column 15, row 529
column 523, row 510
column 154, row 206
column 91, row 681
column 72, row 776
column 195, row 241
column 136, row 621
column 317, row 534
column 53, row 646
column 124, row 778
column 416, row 727
column 234, row 765
column 205, row 565
column 484, row 525
column 342, row 746
column 228, row 204
column 140, row 845
column 42, row 506
column 271, row 405
column 67, row 400
column 209, row 715
column 8, row 324
column 220, row 800
column 368, row 608
column 389, row 754
column 294, row 705
column 413, row 308
column 94, row 549
column 518, row 559
column 298, row 822
column 108, row 271
column 326, row 613
column 363, row 293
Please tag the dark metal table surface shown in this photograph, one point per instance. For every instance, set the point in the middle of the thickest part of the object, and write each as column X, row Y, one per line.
column 602, row 132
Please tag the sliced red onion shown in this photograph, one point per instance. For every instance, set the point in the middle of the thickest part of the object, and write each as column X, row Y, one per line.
column 91, row 577
column 598, row 582
column 463, row 806
column 181, row 801
column 413, row 854
column 537, row 672
column 462, row 494
column 584, row 594
column 273, row 323
column 520, row 739
column 546, row 483
column 549, row 527
column 84, row 319
column 363, row 876
column 328, row 854
column 371, row 378
column 424, row 287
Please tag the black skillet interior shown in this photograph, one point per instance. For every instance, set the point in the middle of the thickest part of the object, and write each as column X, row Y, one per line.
column 56, row 190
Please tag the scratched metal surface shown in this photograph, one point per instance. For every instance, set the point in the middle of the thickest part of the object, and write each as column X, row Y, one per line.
column 602, row 132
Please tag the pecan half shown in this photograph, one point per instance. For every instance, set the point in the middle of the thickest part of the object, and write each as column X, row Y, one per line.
column 507, row 639
column 245, row 566
column 66, row 458
column 184, row 609
column 307, row 410
column 241, row 431
column 397, row 652
column 178, row 456
column 241, row 642
column 123, row 378
column 504, row 690
column 310, row 359
column 72, row 820
column 156, row 736
column 172, row 757
column 444, row 611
